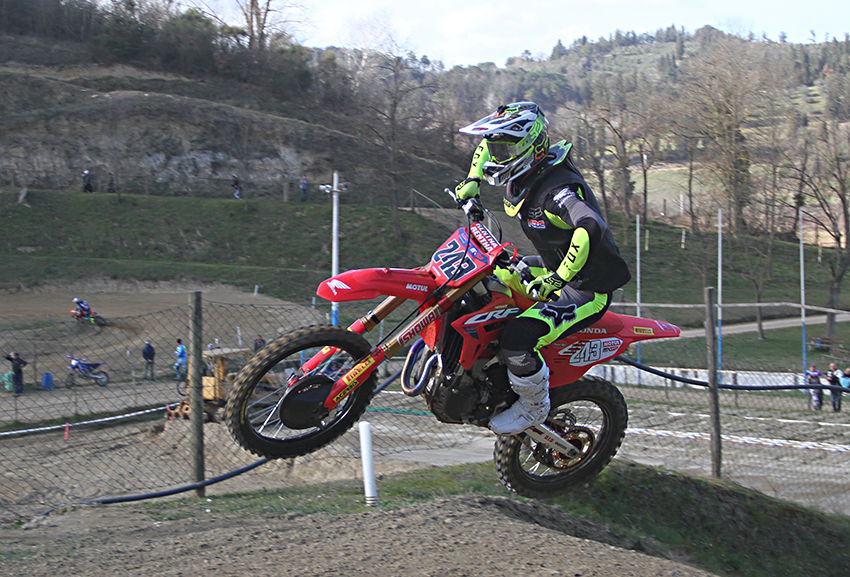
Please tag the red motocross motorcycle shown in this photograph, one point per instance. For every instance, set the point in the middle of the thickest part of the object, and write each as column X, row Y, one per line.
column 308, row 387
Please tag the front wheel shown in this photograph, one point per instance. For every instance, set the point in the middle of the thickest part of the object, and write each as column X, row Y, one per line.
column 275, row 410
column 101, row 378
column 99, row 321
column 592, row 415
column 69, row 380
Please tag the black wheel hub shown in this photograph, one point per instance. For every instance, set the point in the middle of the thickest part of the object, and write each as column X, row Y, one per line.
column 303, row 406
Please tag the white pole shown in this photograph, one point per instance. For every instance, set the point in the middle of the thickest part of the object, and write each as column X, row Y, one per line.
column 335, row 245
column 637, row 250
column 637, row 237
column 239, row 336
column 802, row 287
column 719, row 291
column 370, row 488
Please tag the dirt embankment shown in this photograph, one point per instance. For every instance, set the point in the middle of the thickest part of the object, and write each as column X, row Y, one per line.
column 449, row 537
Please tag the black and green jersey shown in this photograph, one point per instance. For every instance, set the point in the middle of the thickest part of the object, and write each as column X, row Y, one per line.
column 559, row 202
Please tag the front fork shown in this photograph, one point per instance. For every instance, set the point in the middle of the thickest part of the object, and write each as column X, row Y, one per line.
column 361, row 372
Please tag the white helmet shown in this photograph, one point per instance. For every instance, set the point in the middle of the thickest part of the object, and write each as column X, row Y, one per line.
column 517, row 138
column 76, row 300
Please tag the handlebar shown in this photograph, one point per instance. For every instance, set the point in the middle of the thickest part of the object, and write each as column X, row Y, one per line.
column 472, row 207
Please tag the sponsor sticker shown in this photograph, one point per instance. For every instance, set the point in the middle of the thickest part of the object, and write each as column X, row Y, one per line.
column 493, row 316
column 352, row 378
column 407, row 335
column 643, row 331
column 583, row 353
column 484, row 237
column 335, row 284
column 417, row 287
column 536, row 223
column 594, row 331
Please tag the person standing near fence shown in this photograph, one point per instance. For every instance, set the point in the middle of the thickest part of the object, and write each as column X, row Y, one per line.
column 181, row 362
column 235, row 185
column 148, row 354
column 18, row 365
column 813, row 376
column 833, row 377
column 259, row 343
column 304, row 184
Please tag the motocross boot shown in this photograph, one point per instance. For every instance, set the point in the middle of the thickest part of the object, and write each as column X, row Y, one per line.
column 530, row 409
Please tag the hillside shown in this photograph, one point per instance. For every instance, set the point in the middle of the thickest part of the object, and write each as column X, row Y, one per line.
column 167, row 134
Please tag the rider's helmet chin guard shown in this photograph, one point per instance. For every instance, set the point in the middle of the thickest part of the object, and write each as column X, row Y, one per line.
column 517, row 138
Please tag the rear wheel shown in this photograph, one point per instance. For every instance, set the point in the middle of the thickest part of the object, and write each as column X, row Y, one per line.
column 275, row 410
column 69, row 380
column 100, row 377
column 99, row 321
column 592, row 415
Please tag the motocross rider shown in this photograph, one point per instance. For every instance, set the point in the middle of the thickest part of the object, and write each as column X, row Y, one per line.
column 83, row 308
column 579, row 265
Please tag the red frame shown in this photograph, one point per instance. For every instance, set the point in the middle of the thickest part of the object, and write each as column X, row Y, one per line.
column 568, row 358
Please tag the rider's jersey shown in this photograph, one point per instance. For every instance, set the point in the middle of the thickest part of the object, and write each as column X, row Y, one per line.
column 559, row 202
column 84, row 307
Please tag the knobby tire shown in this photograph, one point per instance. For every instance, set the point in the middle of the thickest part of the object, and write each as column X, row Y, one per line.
column 523, row 475
column 253, row 380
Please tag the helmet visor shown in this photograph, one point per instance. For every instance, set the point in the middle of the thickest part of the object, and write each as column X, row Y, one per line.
column 502, row 152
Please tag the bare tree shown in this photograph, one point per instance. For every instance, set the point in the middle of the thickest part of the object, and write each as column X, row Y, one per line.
column 723, row 88
column 824, row 176
column 397, row 77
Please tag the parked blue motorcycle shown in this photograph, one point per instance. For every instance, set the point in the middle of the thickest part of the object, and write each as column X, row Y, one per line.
column 87, row 370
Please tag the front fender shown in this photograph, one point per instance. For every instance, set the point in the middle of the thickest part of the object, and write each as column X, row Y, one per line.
column 370, row 283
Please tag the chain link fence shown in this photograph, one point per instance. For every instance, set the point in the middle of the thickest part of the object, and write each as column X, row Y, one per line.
column 74, row 443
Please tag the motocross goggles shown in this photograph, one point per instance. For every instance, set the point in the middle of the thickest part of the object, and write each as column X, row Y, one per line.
column 502, row 152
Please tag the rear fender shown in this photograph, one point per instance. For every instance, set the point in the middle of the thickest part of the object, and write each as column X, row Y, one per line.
column 370, row 283
column 572, row 357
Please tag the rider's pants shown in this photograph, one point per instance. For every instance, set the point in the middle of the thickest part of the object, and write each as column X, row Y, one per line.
column 546, row 322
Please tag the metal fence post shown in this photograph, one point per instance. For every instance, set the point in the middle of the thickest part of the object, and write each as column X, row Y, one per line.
column 196, row 391
column 713, row 400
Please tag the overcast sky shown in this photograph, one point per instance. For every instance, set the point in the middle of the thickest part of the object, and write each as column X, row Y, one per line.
column 473, row 31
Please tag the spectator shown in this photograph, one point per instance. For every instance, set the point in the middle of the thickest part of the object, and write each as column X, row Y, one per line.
column 813, row 376
column 259, row 344
column 110, row 187
column 148, row 353
column 833, row 377
column 845, row 380
column 181, row 362
column 87, row 187
column 304, row 184
column 18, row 365
column 235, row 186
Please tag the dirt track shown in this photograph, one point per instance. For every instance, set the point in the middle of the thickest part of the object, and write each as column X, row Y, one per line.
column 450, row 537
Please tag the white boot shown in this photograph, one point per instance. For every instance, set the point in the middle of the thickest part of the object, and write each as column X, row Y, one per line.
column 530, row 409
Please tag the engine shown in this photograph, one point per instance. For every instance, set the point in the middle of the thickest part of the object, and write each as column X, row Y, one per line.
column 453, row 394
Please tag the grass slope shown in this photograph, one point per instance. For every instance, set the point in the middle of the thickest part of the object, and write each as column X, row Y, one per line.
column 285, row 247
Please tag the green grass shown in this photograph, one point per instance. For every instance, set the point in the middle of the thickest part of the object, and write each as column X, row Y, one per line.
column 285, row 247
column 712, row 525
